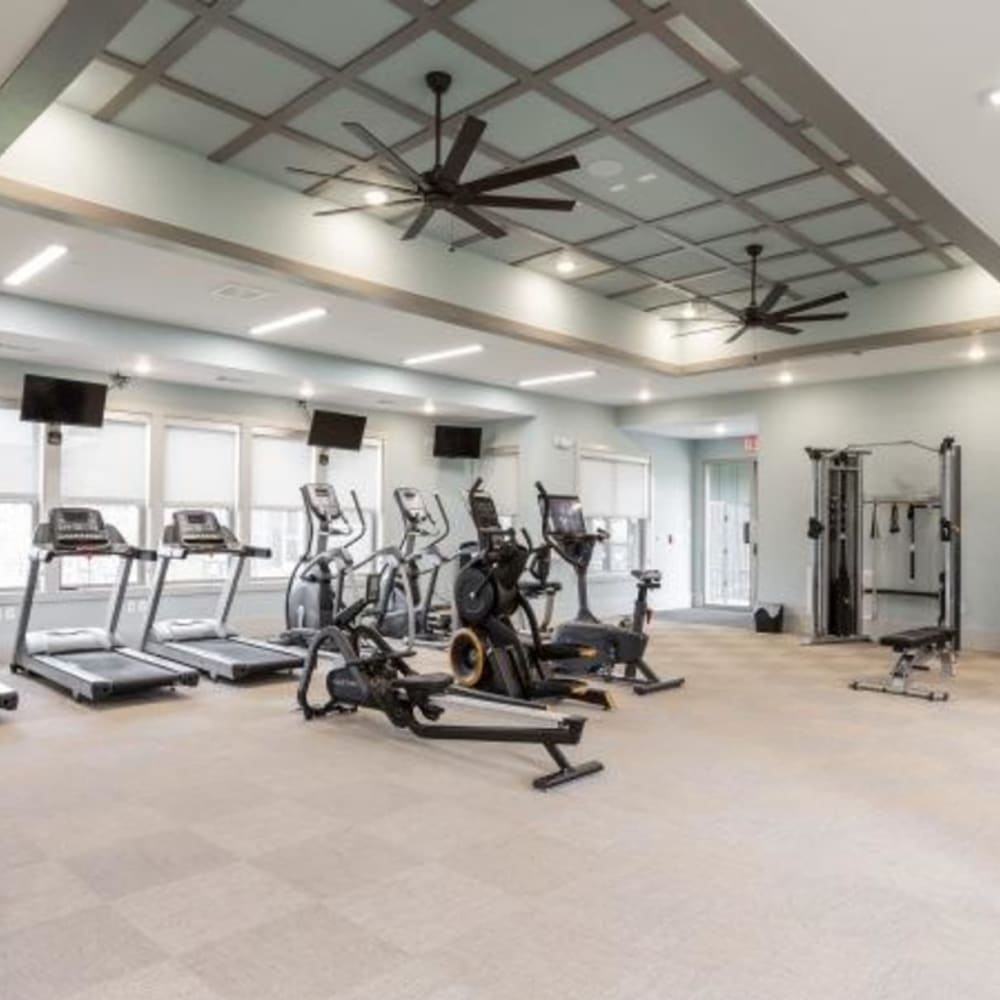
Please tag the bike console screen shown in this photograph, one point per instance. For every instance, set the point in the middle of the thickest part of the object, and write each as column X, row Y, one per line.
column 566, row 517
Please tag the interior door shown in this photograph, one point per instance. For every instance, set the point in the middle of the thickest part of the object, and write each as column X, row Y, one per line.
column 730, row 534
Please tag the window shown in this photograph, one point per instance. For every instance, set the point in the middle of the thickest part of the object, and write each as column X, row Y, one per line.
column 104, row 467
column 360, row 471
column 279, row 465
column 615, row 496
column 199, row 472
column 19, row 479
column 500, row 477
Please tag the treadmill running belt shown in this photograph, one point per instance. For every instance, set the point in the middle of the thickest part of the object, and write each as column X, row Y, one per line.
column 124, row 673
column 245, row 654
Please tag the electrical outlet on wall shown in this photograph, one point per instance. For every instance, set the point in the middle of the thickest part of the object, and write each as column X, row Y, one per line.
column 9, row 613
column 130, row 607
column 142, row 606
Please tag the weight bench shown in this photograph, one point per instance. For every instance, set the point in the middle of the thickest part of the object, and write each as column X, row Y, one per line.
column 916, row 649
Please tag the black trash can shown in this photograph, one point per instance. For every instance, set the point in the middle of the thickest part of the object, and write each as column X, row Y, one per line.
column 769, row 618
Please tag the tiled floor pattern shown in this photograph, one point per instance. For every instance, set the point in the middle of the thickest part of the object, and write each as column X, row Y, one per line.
column 763, row 834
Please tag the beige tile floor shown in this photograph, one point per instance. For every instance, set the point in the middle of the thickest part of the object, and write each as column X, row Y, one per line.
column 764, row 833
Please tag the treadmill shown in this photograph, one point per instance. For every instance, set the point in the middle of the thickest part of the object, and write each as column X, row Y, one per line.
column 209, row 644
column 92, row 664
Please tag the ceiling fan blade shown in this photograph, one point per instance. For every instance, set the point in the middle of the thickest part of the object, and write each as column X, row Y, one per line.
column 463, row 147
column 779, row 328
column 384, row 152
column 363, row 208
column 704, row 329
column 512, row 201
column 773, row 297
column 817, row 316
column 812, row 304
column 319, row 175
column 476, row 220
column 519, row 175
column 416, row 227
column 739, row 333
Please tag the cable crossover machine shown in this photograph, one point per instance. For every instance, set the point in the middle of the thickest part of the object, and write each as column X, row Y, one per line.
column 843, row 517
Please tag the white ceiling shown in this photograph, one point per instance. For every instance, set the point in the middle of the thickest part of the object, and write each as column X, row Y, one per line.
column 113, row 274
column 919, row 71
column 23, row 24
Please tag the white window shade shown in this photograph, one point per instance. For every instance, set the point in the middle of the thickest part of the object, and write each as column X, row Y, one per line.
column 611, row 487
column 19, row 447
column 631, row 489
column 105, row 463
column 360, row 471
column 279, row 466
column 597, row 486
column 200, row 466
column 500, row 476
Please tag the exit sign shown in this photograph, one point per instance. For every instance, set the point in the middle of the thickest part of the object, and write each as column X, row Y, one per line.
column 751, row 444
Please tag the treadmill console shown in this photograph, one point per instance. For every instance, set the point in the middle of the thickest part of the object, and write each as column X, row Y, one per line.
column 78, row 529
column 198, row 531
column 565, row 515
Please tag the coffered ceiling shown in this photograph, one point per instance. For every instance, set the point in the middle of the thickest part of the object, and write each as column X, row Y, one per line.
column 687, row 154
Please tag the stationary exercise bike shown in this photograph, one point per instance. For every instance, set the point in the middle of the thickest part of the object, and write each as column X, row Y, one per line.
column 488, row 653
column 565, row 529
column 408, row 580
column 315, row 591
column 366, row 672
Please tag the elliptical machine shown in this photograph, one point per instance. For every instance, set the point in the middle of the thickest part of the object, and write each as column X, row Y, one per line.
column 488, row 653
column 564, row 528
column 409, row 575
column 315, row 591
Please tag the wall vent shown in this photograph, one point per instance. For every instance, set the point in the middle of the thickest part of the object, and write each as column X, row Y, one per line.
column 240, row 293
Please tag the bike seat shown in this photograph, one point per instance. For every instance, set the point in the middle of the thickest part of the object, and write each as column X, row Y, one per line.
column 650, row 577
column 540, row 589
column 423, row 685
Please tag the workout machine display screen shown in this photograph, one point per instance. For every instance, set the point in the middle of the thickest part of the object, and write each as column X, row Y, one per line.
column 457, row 442
column 63, row 401
column 566, row 516
column 484, row 513
column 322, row 498
column 336, row 430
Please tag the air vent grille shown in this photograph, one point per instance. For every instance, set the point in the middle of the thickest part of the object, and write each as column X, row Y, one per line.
column 240, row 293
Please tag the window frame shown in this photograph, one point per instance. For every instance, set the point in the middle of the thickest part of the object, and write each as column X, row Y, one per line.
column 140, row 571
column 32, row 500
column 642, row 525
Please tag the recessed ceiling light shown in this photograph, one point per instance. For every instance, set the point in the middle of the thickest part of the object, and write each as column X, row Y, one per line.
column 977, row 352
column 616, row 188
column 306, row 391
column 604, row 168
column 376, row 197
column 456, row 352
column 786, row 378
column 34, row 266
column 552, row 379
column 565, row 265
column 286, row 321
column 646, row 178
column 994, row 98
column 690, row 310
column 142, row 366
column 429, row 407
column 720, row 429
column 645, row 395
column 240, row 293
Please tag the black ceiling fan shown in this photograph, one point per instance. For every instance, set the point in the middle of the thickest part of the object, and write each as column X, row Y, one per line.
column 441, row 187
column 764, row 316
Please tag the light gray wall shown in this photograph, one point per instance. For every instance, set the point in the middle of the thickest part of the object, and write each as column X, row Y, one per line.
column 407, row 452
column 964, row 402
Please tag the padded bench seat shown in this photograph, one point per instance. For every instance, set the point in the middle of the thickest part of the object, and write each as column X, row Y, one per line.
column 929, row 637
